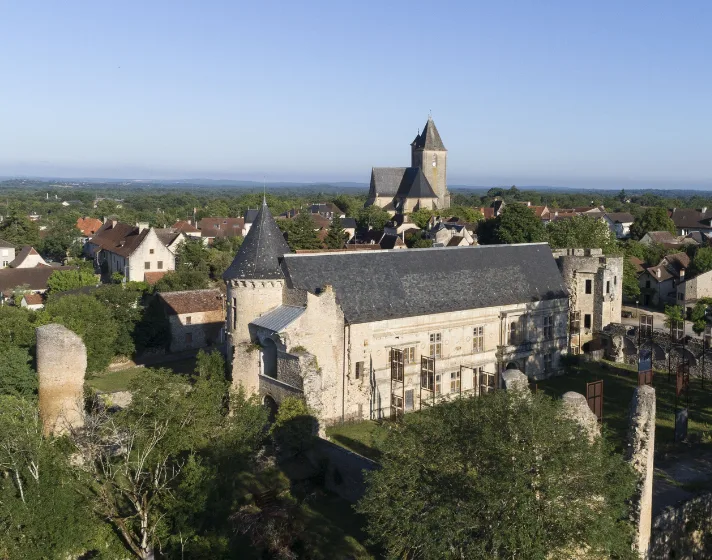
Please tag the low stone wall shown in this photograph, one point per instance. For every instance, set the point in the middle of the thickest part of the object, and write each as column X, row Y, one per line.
column 343, row 469
column 683, row 532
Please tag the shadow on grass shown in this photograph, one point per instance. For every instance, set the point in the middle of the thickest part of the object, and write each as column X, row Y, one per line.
column 357, row 446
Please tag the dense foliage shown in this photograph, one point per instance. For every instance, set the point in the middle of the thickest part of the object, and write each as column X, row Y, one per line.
column 653, row 219
column 505, row 475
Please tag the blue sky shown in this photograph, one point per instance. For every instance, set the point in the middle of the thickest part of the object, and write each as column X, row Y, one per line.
column 582, row 94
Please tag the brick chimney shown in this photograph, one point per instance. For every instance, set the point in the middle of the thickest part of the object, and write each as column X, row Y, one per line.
column 682, row 275
column 657, row 272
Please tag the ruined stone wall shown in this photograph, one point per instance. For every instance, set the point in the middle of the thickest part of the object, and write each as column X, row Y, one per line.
column 204, row 329
column 683, row 532
column 344, row 469
column 61, row 365
column 641, row 456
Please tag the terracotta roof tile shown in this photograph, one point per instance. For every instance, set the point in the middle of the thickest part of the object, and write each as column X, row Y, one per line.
column 192, row 301
column 88, row 226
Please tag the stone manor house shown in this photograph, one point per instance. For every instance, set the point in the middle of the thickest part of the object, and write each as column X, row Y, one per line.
column 368, row 334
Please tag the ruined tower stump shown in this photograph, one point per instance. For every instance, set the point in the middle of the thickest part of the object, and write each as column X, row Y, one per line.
column 61, row 365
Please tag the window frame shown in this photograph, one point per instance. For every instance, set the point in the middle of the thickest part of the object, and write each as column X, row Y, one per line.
column 587, row 321
column 455, row 381
column 548, row 327
column 358, row 372
column 588, row 286
column 478, row 339
column 147, row 265
column 436, row 345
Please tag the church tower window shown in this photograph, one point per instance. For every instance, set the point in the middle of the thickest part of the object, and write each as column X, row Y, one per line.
column 435, row 160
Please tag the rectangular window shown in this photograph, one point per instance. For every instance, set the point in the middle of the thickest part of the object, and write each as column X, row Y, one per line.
column 647, row 283
column 151, row 251
column 615, row 280
column 680, row 296
column 438, row 384
column 487, row 382
column 160, row 265
column 188, row 320
column 608, row 286
column 359, row 370
column 589, row 286
column 478, row 340
column 574, row 350
column 397, row 364
column 427, row 372
column 455, row 382
column 188, row 338
column 147, row 266
column 548, row 328
column 587, row 321
column 575, row 322
column 234, row 313
column 409, row 355
column 436, row 345
column 514, row 332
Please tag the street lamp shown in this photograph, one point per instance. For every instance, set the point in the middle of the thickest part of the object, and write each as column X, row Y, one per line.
column 636, row 309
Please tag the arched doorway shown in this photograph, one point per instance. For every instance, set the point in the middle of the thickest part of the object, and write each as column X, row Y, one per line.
column 269, row 358
column 271, row 405
column 512, row 365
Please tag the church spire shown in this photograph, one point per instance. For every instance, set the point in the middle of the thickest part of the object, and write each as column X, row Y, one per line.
column 259, row 254
column 429, row 139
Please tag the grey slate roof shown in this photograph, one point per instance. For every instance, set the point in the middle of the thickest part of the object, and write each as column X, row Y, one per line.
column 279, row 319
column 379, row 285
column 258, row 256
column 429, row 139
column 401, row 182
column 348, row 223
column 251, row 215
column 620, row 217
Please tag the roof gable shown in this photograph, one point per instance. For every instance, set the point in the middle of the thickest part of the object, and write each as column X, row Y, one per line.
column 401, row 182
column 429, row 139
column 380, row 285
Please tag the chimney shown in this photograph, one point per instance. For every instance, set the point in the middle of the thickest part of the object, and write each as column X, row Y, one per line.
column 704, row 209
column 141, row 226
column 657, row 272
column 682, row 275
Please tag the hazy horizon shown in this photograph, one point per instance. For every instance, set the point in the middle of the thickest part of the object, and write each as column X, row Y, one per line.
column 608, row 95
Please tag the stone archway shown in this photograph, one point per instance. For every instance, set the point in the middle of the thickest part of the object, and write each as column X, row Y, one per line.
column 511, row 365
column 271, row 405
column 269, row 358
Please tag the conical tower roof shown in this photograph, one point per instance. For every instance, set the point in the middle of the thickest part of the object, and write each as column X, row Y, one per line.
column 259, row 254
column 429, row 139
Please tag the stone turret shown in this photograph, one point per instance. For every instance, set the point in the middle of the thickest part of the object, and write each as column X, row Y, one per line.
column 254, row 287
column 61, row 365
column 428, row 152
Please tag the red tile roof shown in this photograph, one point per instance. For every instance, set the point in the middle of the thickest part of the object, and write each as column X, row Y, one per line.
column 153, row 277
column 88, row 226
column 119, row 238
column 185, row 227
column 33, row 299
column 192, row 301
column 221, row 227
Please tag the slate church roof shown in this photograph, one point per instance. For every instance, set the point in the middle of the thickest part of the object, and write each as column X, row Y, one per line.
column 259, row 254
column 429, row 139
column 380, row 285
column 400, row 182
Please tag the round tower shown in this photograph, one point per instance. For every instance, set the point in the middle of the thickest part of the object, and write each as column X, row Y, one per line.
column 255, row 284
column 61, row 364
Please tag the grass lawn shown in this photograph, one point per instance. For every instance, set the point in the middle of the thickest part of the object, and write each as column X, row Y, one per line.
column 115, row 380
column 360, row 437
column 619, row 381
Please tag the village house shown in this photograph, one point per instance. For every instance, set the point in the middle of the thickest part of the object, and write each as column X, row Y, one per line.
column 619, row 223
column 26, row 280
column 7, row 254
column 88, row 227
column 367, row 334
column 32, row 301
column 28, row 258
column 595, row 286
column 216, row 228
column 658, row 284
column 687, row 220
column 196, row 318
column 186, row 228
column 691, row 290
column 129, row 250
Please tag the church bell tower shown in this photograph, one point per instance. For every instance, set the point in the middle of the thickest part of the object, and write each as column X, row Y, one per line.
column 428, row 152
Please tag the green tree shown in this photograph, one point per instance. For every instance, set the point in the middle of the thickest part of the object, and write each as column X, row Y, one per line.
column 699, row 315
column 90, row 319
column 653, row 219
column 180, row 280
column 61, row 242
column 631, row 287
column 123, row 301
column 335, row 236
column 518, row 224
column 64, row 280
column 192, row 255
column 19, row 231
column 421, row 217
column 702, row 261
column 301, row 232
column 372, row 217
column 17, row 325
column 486, row 477
column 674, row 314
column 295, row 426
column 582, row 232
column 16, row 375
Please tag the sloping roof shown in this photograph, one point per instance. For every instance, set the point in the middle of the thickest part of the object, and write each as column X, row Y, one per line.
column 429, row 139
column 167, row 235
column 34, row 278
column 258, row 256
column 5, row 245
column 185, row 227
column 251, row 215
column 25, row 252
column 659, row 273
column 88, row 226
column 33, row 299
column 379, row 285
column 638, row 264
column 348, row 223
column 118, row 237
column 401, row 182
column 677, row 261
column 279, row 319
column 221, row 227
column 690, row 218
column 455, row 241
column 661, row 237
column 620, row 217
column 390, row 241
column 192, row 301
column 152, row 278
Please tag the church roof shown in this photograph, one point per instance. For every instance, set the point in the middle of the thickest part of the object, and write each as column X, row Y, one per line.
column 401, row 182
column 259, row 254
column 380, row 285
column 429, row 139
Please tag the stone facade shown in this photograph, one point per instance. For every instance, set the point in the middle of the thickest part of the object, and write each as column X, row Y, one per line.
column 689, row 291
column 595, row 284
column 683, row 532
column 195, row 329
column 61, row 365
